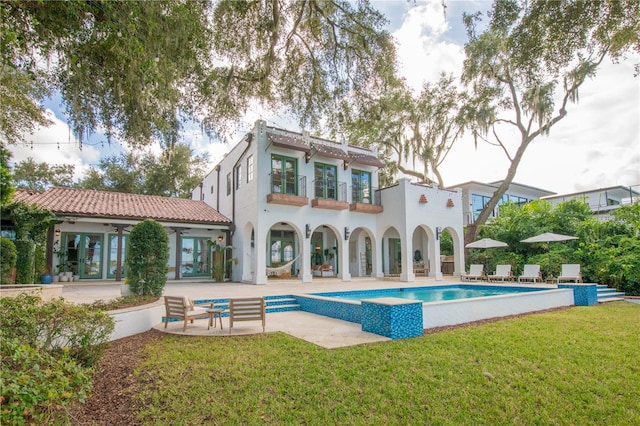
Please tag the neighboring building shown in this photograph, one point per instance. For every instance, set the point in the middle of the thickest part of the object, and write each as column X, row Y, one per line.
column 93, row 225
column 601, row 201
column 475, row 195
column 296, row 198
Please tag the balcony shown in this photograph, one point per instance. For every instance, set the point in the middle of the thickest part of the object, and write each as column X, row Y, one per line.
column 328, row 195
column 362, row 202
column 291, row 192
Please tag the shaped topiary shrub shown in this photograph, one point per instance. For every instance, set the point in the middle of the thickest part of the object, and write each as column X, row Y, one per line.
column 147, row 258
column 8, row 256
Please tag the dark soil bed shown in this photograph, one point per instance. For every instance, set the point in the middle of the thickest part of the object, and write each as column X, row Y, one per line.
column 114, row 385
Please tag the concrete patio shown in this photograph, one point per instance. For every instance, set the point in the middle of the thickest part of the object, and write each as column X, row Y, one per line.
column 317, row 329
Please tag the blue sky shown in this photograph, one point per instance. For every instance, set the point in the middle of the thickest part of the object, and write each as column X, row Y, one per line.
column 596, row 145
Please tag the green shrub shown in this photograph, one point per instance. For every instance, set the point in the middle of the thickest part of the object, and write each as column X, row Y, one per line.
column 35, row 385
column 147, row 258
column 47, row 350
column 24, row 262
column 40, row 260
column 8, row 256
column 57, row 326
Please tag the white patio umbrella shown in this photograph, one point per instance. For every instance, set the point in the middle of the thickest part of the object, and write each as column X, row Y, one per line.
column 548, row 237
column 486, row 243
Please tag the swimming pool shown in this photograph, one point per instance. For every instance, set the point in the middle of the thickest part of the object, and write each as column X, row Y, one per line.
column 497, row 300
column 432, row 294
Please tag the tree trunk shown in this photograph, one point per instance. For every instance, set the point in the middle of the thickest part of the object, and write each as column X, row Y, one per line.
column 472, row 231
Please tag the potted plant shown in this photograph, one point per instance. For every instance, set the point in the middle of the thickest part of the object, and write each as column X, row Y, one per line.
column 46, row 277
column 218, row 267
column 62, row 264
column 125, row 290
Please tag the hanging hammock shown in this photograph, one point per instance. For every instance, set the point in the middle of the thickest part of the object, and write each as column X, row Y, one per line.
column 278, row 270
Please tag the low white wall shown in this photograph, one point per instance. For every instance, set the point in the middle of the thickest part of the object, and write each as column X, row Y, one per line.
column 136, row 320
column 438, row 314
column 46, row 292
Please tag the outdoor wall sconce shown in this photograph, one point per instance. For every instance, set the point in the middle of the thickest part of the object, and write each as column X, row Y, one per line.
column 307, row 230
column 317, row 247
column 57, row 232
column 307, row 157
column 423, row 199
column 346, row 164
column 346, row 233
column 438, row 232
column 220, row 238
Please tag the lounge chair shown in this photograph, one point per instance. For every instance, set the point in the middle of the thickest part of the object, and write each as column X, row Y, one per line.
column 322, row 270
column 476, row 273
column 180, row 307
column 531, row 273
column 503, row 273
column 247, row 309
column 570, row 272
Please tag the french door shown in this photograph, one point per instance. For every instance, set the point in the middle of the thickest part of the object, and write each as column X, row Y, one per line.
column 196, row 257
column 84, row 254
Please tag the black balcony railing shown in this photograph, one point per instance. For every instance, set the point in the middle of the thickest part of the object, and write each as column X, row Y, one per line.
column 290, row 185
column 365, row 195
column 330, row 189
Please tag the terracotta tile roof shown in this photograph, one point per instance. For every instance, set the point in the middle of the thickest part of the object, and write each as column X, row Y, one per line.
column 87, row 202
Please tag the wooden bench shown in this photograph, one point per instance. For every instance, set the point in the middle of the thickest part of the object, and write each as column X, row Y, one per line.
column 180, row 307
column 247, row 309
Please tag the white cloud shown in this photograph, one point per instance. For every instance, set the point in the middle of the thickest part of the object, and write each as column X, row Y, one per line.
column 423, row 54
column 596, row 145
column 56, row 145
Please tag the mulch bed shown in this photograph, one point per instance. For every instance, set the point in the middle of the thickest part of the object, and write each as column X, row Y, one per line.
column 114, row 385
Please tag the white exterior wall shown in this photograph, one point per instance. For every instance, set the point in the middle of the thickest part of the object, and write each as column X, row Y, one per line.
column 403, row 215
column 252, row 212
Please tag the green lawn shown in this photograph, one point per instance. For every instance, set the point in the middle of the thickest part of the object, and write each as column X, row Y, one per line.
column 576, row 366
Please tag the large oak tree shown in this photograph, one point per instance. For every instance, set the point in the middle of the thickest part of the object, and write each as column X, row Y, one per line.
column 137, row 69
column 528, row 65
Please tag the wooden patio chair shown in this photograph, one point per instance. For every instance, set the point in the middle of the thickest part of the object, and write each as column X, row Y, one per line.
column 247, row 309
column 181, row 308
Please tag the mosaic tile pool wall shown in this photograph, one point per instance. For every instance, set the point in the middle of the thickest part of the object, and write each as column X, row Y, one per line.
column 344, row 309
column 451, row 312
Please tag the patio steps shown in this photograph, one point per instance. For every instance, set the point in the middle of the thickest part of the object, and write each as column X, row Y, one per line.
column 283, row 303
column 606, row 294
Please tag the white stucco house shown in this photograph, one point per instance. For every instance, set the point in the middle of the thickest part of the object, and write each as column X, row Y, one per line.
column 310, row 207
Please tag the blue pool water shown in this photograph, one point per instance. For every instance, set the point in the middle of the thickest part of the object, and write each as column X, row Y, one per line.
column 431, row 294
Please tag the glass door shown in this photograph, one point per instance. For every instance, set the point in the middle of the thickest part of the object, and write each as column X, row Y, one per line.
column 91, row 256
column 84, row 254
column 112, row 261
column 196, row 257
column 325, row 181
column 282, row 247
